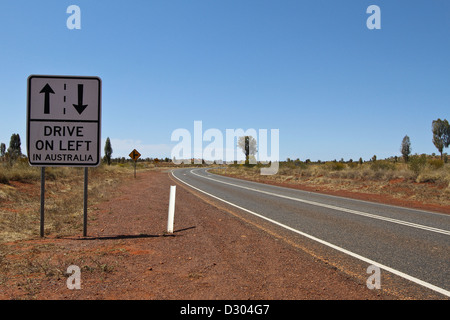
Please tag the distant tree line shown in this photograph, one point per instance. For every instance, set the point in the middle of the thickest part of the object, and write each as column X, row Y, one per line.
column 440, row 130
column 108, row 159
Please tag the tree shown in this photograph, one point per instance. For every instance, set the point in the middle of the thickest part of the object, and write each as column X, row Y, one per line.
column 2, row 150
column 441, row 134
column 108, row 151
column 405, row 148
column 14, row 150
column 248, row 146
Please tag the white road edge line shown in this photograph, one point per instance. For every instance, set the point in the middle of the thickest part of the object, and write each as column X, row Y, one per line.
column 365, row 214
column 352, row 254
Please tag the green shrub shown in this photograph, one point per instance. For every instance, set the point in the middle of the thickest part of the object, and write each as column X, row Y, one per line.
column 382, row 165
column 301, row 165
column 352, row 165
column 334, row 166
column 417, row 163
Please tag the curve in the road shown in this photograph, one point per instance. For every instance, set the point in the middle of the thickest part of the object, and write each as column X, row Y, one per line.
column 326, row 243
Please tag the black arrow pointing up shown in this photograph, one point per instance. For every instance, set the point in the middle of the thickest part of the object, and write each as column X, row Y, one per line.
column 80, row 106
column 47, row 90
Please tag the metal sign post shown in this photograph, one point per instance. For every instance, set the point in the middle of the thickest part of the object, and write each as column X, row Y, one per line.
column 85, row 202
column 42, row 200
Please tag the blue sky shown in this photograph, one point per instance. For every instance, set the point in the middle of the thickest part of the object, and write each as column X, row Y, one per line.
column 311, row 69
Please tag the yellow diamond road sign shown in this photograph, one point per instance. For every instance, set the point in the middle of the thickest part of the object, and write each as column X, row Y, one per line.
column 134, row 155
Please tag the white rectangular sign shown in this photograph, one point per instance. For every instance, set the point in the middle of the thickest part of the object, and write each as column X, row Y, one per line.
column 63, row 121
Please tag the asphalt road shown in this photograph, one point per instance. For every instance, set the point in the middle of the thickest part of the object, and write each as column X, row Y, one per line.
column 408, row 243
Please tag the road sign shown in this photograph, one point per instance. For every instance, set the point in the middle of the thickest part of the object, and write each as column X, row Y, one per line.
column 134, row 155
column 63, row 121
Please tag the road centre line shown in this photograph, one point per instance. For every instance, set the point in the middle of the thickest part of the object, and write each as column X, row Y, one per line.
column 345, row 251
column 365, row 214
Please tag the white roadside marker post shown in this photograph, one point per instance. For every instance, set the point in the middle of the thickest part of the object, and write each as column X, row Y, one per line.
column 171, row 209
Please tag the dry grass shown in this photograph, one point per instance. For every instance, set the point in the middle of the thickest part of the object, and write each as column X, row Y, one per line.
column 20, row 198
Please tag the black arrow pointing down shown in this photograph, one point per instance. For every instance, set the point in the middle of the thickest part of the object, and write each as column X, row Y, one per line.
column 80, row 106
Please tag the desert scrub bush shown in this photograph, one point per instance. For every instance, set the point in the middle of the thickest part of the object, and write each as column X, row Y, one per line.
column 417, row 163
column 284, row 171
column 288, row 164
column 334, row 166
column 435, row 163
column 301, row 165
column 433, row 175
column 56, row 173
column 20, row 172
column 352, row 165
column 382, row 165
column 429, row 176
column 3, row 177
